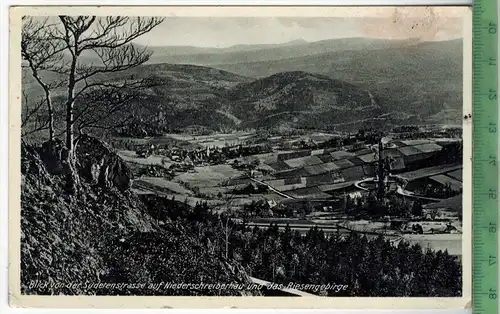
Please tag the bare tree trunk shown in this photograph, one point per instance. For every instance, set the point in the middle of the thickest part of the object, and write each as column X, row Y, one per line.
column 227, row 245
column 227, row 232
column 69, row 128
column 48, row 99
column 51, row 115
column 72, row 181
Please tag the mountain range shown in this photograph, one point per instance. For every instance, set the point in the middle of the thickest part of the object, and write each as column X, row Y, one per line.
column 423, row 79
column 332, row 84
column 269, row 52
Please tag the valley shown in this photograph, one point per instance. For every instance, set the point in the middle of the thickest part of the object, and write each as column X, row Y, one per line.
column 263, row 181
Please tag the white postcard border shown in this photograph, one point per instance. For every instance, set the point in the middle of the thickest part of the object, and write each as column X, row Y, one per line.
column 18, row 300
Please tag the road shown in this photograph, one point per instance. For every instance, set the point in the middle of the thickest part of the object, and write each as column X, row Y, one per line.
column 358, row 186
column 273, row 189
column 298, row 227
column 402, row 192
column 451, row 242
column 399, row 190
column 285, row 290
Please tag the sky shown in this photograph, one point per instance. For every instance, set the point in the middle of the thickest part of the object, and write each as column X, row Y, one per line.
column 221, row 31
column 226, row 31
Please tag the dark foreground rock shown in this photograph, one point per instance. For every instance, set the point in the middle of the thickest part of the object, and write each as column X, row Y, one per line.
column 104, row 241
column 98, row 164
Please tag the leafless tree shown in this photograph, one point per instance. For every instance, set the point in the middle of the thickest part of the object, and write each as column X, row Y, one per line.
column 104, row 107
column 110, row 40
column 227, row 225
column 227, row 229
column 30, row 114
column 39, row 54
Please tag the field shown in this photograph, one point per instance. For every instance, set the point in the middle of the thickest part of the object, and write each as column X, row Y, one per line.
column 209, row 176
column 330, row 171
column 307, row 173
column 214, row 184
column 131, row 157
column 218, row 140
column 451, row 206
column 441, row 242
column 163, row 185
column 297, row 175
column 431, row 171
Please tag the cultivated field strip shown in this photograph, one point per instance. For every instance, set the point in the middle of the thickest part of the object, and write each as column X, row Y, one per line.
column 316, row 175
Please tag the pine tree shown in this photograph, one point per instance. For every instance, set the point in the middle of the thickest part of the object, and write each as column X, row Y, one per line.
column 416, row 209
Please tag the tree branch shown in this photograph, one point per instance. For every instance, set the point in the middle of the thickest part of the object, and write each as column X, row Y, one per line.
column 30, row 112
column 114, row 60
column 29, row 115
column 88, row 98
column 109, row 31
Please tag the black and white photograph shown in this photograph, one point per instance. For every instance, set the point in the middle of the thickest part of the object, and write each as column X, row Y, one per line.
column 263, row 156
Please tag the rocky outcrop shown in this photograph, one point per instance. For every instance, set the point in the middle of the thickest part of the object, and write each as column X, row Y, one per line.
column 32, row 167
column 53, row 155
column 95, row 161
column 103, row 235
column 100, row 166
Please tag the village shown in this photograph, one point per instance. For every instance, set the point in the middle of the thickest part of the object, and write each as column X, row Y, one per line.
column 403, row 184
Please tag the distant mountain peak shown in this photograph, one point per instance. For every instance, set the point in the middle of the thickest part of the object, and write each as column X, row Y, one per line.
column 296, row 42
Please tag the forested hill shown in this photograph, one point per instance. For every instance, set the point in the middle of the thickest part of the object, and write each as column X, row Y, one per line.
column 189, row 96
column 269, row 52
column 396, row 83
column 301, row 100
column 295, row 99
column 422, row 78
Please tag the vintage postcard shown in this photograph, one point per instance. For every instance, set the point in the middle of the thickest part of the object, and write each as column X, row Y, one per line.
column 249, row 157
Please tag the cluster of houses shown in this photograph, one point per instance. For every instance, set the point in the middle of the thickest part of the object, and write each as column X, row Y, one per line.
column 202, row 156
